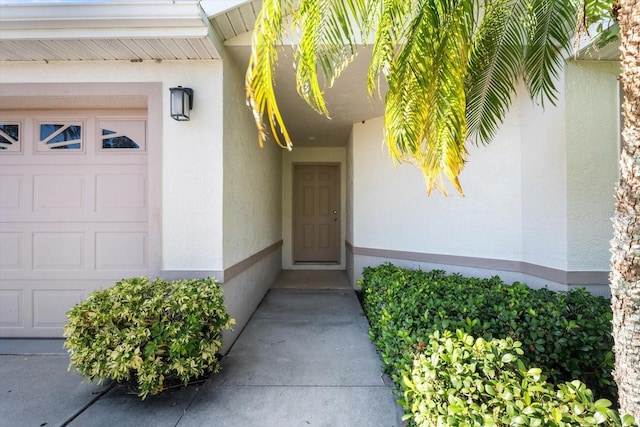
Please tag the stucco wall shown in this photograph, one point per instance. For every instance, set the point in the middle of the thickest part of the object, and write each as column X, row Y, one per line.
column 391, row 209
column 537, row 199
column 310, row 155
column 244, row 292
column 544, row 186
column 251, row 207
column 252, row 178
column 593, row 138
column 189, row 165
column 349, row 210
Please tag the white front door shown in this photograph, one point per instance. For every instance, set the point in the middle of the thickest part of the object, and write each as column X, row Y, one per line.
column 73, row 211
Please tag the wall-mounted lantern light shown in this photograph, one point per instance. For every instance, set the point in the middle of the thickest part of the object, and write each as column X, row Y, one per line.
column 181, row 102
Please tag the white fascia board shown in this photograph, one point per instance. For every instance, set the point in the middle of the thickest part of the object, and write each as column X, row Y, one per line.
column 103, row 33
column 219, row 7
column 106, row 20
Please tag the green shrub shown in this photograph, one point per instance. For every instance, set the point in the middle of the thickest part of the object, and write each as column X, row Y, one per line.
column 146, row 332
column 462, row 381
column 566, row 334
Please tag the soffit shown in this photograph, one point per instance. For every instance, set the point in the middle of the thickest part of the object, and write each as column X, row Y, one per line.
column 608, row 52
column 236, row 20
column 105, row 31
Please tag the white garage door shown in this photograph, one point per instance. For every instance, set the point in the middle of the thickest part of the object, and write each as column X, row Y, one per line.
column 73, row 211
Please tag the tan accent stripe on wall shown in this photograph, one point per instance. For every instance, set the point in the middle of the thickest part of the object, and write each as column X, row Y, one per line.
column 226, row 275
column 348, row 246
column 239, row 267
column 552, row 274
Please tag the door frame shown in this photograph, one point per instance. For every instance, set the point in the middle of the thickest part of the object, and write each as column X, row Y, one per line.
column 341, row 213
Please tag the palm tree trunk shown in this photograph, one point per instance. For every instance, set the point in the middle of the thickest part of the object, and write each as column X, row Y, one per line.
column 625, row 246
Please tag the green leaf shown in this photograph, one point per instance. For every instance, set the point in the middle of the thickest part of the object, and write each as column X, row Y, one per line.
column 508, row 358
column 599, row 417
column 534, row 372
column 602, row 403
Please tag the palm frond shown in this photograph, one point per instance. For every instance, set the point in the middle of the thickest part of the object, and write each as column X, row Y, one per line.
column 309, row 19
column 343, row 33
column 260, row 89
column 387, row 19
column 327, row 42
column 451, row 66
column 551, row 29
column 495, row 64
column 425, row 105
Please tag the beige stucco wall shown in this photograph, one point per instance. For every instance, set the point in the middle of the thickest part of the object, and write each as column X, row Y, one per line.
column 544, row 187
column 252, row 178
column 336, row 155
column 537, row 199
column 593, row 138
column 391, row 209
column 251, row 207
column 349, row 210
column 188, row 168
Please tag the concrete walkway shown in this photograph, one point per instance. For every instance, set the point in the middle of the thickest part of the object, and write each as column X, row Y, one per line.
column 304, row 359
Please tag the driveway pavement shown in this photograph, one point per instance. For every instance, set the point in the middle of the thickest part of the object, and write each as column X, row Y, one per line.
column 304, row 359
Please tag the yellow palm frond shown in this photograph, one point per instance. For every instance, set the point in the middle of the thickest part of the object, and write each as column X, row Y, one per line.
column 328, row 41
column 425, row 104
column 267, row 36
column 451, row 67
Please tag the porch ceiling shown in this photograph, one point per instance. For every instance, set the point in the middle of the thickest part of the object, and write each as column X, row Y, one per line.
column 348, row 100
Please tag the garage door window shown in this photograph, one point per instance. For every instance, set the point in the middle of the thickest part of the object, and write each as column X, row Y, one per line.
column 10, row 137
column 60, row 136
column 126, row 135
column 113, row 140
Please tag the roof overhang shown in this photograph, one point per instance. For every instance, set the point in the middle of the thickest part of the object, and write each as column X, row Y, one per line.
column 236, row 20
column 593, row 52
column 150, row 30
column 604, row 46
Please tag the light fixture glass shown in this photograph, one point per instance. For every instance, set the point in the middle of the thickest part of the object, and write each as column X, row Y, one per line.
column 181, row 103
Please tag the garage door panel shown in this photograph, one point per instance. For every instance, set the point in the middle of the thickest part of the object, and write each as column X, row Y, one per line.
column 12, row 251
column 59, row 251
column 11, row 192
column 60, row 191
column 51, row 305
column 76, row 195
column 121, row 250
column 109, row 275
column 121, row 191
column 11, row 308
column 78, row 159
column 38, row 249
column 41, row 307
